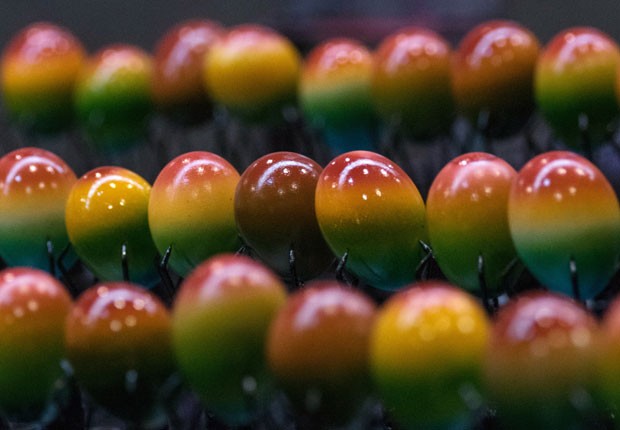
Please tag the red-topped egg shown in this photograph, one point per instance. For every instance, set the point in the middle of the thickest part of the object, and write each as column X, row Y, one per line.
column 561, row 209
column 368, row 208
column 118, row 339
column 539, row 369
column 467, row 214
column 191, row 209
column 252, row 71
column 34, row 188
column 113, row 96
column 33, row 308
column 411, row 81
column 220, row 322
column 576, row 77
column 39, row 68
column 493, row 74
column 317, row 349
column 274, row 211
column 427, row 352
column 177, row 68
column 107, row 209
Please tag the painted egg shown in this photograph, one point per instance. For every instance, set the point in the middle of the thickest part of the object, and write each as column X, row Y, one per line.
column 220, row 322
column 108, row 207
column 274, row 210
column 368, row 208
column 253, row 71
column 467, row 215
column 177, row 69
column 411, row 82
column 39, row 68
column 113, row 96
column 34, row 188
column 33, row 308
column 561, row 208
column 608, row 362
column 119, row 345
column 426, row 355
column 317, row 349
column 576, row 74
column 191, row 209
column 539, row 366
column 493, row 72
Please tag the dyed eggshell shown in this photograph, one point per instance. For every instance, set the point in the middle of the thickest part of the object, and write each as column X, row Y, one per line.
column 113, row 96
column 177, row 67
column 608, row 358
column 368, row 207
column 493, row 70
column 253, row 71
column 107, row 207
column 33, row 308
column 335, row 84
column 540, row 357
column 220, row 322
column 39, row 68
column 191, row 209
column 119, row 345
column 274, row 210
column 467, row 215
column 426, row 355
column 317, row 349
column 576, row 74
column 411, row 81
column 34, row 187
column 562, row 207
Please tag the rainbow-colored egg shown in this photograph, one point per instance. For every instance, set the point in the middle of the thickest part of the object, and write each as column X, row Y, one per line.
column 113, row 96
column 539, row 369
column 368, row 208
column 493, row 74
column 576, row 76
column 427, row 353
column 191, row 209
column 33, row 309
column 118, row 339
column 253, row 71
column 467, row 215
column 220, row 322
column 34, row 188
column 411, row 82
column 274, row 211
column 177, row 69
column 562, row 208
column 39, row 68
column 106, row 209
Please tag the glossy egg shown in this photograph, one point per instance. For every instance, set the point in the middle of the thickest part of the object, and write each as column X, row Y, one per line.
column 108, row 207
column 369, row 208
column 119, row 345
column 493, row 71
column 191, row 209
column 608, row 362
column 318, row 350
column 177, row 68
column 34, row 187
column 33, row 308
column 274, row 210
column 113, row 96
column 39, row 68
column 576, row 74
column 467, row 214
column 253, row 71
column 411, row 81
column 220, row 322
column 561, row 207
column 539, row 367
column 426, row 354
